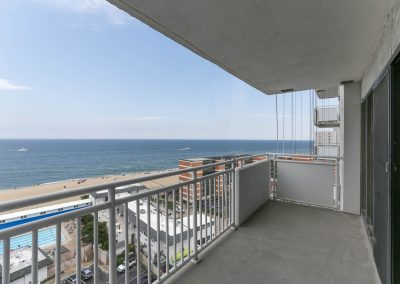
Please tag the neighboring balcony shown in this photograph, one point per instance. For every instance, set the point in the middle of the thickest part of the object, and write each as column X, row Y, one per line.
column 275, row 220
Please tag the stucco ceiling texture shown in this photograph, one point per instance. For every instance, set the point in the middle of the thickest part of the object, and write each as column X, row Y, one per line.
column 273, row 45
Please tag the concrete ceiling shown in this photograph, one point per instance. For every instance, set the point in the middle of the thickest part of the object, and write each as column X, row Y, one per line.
column 273, row 45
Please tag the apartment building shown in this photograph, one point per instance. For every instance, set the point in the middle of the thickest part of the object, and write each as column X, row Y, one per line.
column 216, row 185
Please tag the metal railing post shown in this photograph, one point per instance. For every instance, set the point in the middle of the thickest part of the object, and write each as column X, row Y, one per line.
column 167, row 233
column 275, row 178
column 126, row 224
column 35, row 266
column 148, row 241
column 58, row 254
column 158, row 236
column 78, row 255
column 233, row 189
column 174, row 217
column 338, row 184
column 195, row 256
column 6, row 261
column 138, row 267
column 112, row 238
column 96, row 247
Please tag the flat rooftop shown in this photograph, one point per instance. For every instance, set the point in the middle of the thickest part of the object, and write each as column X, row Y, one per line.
column 21, row 262
column 287, row 243
column 201, row 219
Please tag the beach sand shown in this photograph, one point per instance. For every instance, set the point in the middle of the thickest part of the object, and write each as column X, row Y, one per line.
column 41, row 189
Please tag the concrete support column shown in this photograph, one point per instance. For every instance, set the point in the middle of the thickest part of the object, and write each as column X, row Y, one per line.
column 350, row 146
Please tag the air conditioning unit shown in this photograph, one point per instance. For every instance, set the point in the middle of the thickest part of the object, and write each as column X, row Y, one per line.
column 327, row 117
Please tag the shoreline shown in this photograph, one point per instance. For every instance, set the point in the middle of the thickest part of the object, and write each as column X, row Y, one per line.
column 73, row 184
column 134, row 174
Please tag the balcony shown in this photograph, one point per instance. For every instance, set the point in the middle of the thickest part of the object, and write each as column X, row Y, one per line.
column 286, row 210
column 288, row 243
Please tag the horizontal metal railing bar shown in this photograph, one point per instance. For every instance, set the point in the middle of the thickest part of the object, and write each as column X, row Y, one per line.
column 315, row 162
column 18, row 230
column 30, row 201
column 163, row 189
column 304, row 155
column 42, row 223
column 250, row 156
column 252, row 164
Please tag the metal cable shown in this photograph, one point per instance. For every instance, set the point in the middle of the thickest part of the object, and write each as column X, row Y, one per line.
column 277, row 123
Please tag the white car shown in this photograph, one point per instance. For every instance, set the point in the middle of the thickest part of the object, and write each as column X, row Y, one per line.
column 121, row 267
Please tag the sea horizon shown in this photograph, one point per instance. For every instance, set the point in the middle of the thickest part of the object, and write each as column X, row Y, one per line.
column 27, row 162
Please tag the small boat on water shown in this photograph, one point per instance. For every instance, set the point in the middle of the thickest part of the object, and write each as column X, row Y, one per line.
column 22, row 150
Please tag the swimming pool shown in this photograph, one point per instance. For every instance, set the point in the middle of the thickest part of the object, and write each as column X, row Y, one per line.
column 46, row 236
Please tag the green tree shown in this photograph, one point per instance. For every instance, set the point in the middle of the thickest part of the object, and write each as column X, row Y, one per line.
column 88, row 218
column 87, row 233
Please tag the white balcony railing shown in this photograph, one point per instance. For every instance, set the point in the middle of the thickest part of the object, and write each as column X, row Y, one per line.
column 170, row 231
column 188, row 227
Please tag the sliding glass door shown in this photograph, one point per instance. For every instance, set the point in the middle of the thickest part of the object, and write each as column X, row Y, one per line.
column 375, row 197
column 395, row 171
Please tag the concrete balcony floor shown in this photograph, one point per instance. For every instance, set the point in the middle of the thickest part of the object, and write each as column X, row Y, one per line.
column 287, row 243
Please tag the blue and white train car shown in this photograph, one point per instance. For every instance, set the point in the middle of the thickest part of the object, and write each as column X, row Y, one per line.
column 26, row 216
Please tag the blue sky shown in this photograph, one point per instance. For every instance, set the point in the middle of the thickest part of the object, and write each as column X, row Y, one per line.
column 84, row 69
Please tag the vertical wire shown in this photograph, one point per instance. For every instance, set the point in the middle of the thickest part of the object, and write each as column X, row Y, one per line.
column 295, row 123
column 291, row 127
column 283, row 127
column 301, row 116
column 315, row 127
column 277, row 123
column 310, row 125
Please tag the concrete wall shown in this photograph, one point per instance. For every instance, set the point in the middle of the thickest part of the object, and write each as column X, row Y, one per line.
column 252, row 185
column 387, row 44
column 309, row 182
column 350, row 114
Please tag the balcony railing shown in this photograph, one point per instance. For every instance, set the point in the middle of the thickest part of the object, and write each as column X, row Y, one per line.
column 195, row 225
column 170, row 231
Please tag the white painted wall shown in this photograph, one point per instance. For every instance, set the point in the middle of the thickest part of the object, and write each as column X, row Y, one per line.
column 387, row 44
column 350, row 114
column 252, row 185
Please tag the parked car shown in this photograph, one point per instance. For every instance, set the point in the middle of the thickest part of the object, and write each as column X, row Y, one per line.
column 131, row 261
column 72, row 280
column 86, row 274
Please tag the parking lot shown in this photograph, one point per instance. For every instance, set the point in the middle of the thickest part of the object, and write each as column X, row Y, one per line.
column 132, row 275
column 103, row 276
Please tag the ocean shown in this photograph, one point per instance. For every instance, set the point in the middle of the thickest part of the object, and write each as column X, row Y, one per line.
column 30, row 162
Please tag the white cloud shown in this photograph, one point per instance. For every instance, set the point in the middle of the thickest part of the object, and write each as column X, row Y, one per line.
column 139, row 118
column 7, row 85
column 101, row 7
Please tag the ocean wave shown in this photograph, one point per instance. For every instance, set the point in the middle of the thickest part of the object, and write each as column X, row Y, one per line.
column 174, row 149
column 22, row 150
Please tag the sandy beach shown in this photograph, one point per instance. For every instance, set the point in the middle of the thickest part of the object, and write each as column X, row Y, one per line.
column 41, row 189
